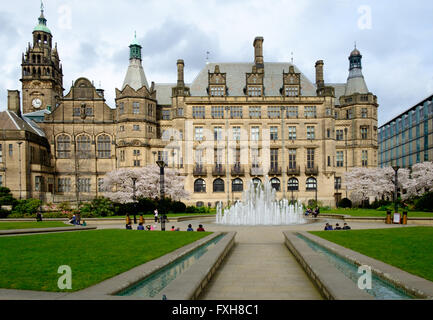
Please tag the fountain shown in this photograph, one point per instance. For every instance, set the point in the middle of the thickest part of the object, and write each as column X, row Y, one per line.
column 260, row 207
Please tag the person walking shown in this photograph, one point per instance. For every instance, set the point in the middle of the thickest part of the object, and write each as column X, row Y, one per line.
column 128, row 222
column 155, row 213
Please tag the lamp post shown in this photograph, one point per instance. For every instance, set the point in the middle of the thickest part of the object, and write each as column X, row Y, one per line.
column 345, row 134
column 134, row 197
column 19, row 160
column 161, row 164
column 316, row 193
column 395, row 188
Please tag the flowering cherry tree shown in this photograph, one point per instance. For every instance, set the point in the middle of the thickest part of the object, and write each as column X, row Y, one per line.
column 420, row 180
column 119, row 184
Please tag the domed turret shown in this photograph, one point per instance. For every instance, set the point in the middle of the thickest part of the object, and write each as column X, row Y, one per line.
column 355, row 81
column 42, row 26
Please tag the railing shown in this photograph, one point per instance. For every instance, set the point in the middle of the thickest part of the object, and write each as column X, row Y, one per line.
column 218, row 170
column 295, row 171
column 256, row 171
column 314, row 170
column 274, row 171
column 237, row 170
column 199, row 170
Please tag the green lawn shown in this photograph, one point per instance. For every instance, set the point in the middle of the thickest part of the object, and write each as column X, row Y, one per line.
column 373, row 212
column 31, row 225
column 31, row 262
column 410, row 249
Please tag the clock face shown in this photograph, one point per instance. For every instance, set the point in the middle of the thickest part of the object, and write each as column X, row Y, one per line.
column 37, row 103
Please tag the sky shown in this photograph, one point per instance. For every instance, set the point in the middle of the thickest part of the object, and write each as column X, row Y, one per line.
column 393, row 36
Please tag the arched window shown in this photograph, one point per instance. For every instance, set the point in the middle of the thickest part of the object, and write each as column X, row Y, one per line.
column 293, row 184
column 199, row 185
column 83, row 146
column 311, row 184
column 237, row 185
column 104, row 146
column 63, row 147
column 257, row 182
column 218, row 185
column 276, row 184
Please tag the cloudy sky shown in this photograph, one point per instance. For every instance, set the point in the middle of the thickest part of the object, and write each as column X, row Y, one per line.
column 393, row 36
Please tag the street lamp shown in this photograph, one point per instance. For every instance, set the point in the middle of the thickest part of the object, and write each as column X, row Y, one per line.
column 161, row 164
column 19, row 159
column 134, row 197
column 395, row 188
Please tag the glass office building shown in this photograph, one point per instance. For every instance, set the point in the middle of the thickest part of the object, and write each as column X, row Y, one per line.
column 408, row 138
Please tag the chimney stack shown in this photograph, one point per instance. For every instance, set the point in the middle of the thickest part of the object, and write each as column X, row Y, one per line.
column 180, row 67
column 258, row 52
column 319, row 74
column 14, row 101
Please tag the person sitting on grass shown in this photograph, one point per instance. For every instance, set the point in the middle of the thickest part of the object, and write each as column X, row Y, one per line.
column 128, row 222
column 346, row 227
column 152, row 228
column 73, row 219
column 140, row 226
column 190, row 228
column 172, row 228
column 316, row 212
column 200, row 228
column 148, row 227
column 84, row 223
column 337, row 227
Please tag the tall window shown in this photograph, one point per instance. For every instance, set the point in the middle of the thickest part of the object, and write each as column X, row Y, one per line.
column 339, row 135
column 104, row 146
column 1, row 153
column 135, row 107
column 218, row 185
column 11, row 150
column 254, row 157
column 292, row 133
column 199, row 186
column 236, row 133
column 255, row 133
column 274, row 133
column 237, row 157
column 163, row 156
column 255, row 112
column 150, row 110
column 83, row 184
column 254, row 91
column 38, row 183
column 121, row 108
column 310, row 112
column 198, row 112
column 136, row 127
column 364, row 112
column 292, row 112
column 83, row 146
column 218, row 157
column 218, row 133
column 217, row 112
column 311, row 183
column 292, row 158
column 101, row 185
column 364, row 133
column 340, row 159
column 310, row 158
column 293, row 184
column 165, row 114
column 122, row 155
column 63, row 147
column 198, row 134
column 311, row 133
column 274, row 159
column 274, row 112
column 364, row 158
column 199, row 158
column 237, row 185
column 337, row 183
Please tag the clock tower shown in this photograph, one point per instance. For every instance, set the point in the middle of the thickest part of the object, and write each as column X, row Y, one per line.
column 42, row 76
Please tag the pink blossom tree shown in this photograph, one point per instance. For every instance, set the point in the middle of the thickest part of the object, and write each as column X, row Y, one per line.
column 420, row 180
column 119, row 184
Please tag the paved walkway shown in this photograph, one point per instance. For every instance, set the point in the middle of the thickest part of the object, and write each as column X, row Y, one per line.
column 260, row 267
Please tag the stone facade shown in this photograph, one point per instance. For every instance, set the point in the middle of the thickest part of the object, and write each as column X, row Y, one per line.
column 235, row 122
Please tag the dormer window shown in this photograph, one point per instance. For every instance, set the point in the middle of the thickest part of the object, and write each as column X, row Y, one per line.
column 254, row 91
column 217, row 91
column 291, row 91
column 291, row 83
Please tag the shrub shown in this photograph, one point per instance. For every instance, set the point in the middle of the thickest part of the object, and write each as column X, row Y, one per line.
column 425, row 202
column 98, row 207
column 380, row 203
column 178, row 207
column 6, row 197
column 146, row 205
column 345, row 203
column 27, row 207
